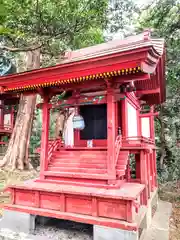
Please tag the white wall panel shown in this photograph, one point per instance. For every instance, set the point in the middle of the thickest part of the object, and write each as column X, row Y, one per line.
column 145, row 127
column 132, row 121
column 7, row 119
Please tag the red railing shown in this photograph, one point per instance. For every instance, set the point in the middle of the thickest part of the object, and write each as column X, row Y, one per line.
column 138, row 139
column 6, row 127
column 50, row 142
column 3, row 147
column 54, row 145
column 118, row 144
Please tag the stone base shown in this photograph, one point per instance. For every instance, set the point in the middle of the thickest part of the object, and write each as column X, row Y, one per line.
column 159, row 228
column 106, row 233
column 17, row 221
column 149, row 212
column 20, row 222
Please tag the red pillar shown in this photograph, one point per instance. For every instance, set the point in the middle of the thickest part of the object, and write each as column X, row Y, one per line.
column 2, row 114
column 116, row 118
column 77, row 132
column 138, row 166
column 128, row 172
column 155, row 168
column 111, row 134
column 152, row 129
column 152, row 172
column 124, row 114
column 153, row 155
column 138, row 123
column 76, row 137
column 148, row 173
column 143, row 176
column 12, row 117
column 44, row 137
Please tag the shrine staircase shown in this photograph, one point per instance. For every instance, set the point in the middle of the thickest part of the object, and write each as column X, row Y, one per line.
column 82, row 166
column 76, row 186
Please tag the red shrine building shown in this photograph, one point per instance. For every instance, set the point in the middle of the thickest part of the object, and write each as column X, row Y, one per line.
column 104, row 172
column 8, row 104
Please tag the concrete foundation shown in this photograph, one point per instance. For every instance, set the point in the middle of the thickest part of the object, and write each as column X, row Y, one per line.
column 146, row 217
column 15, row 224
column 152, row 203
column 17, row 221
column 106, row 233
column 159, row 228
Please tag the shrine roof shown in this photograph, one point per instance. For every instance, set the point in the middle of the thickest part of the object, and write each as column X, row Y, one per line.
column 130, row 43
column 139, row 58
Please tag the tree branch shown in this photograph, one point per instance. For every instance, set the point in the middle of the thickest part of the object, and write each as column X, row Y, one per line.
column 11, row 49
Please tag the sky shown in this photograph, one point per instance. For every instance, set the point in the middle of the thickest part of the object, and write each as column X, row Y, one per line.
column 120, row 35
column 142, row 2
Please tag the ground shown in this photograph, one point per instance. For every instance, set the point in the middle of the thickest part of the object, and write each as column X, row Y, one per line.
column 8, row 177
column 167, row 192
column 171, row 192
column 54, row 229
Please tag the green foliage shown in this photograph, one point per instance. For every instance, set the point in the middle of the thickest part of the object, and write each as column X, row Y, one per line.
column 35, row 139
column 164, row 19
column 55, row 25
column 120, row 15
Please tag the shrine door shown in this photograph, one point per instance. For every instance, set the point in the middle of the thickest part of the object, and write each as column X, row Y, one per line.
column 95, row 118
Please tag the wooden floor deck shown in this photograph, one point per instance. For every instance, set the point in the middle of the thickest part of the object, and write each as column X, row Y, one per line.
column 128, row 191
column 67, row 200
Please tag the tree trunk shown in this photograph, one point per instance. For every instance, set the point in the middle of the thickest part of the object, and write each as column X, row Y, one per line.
column 17, row 153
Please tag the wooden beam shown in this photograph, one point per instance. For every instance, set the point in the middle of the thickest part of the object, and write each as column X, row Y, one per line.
column 79, row 86
column 30, row 93
column 149, row 91
column 108, row 63
column 149, row 114
column 130, row 78
column 9, row 96
column 72, row 102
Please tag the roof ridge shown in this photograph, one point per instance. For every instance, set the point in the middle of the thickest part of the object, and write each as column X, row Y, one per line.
column 113, row 46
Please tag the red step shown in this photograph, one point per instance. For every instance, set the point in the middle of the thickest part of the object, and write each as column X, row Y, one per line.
column 77, row 170
column 120, row 172
column 122, row 163
column 121, row 167
column 77, row 183
column 61, row 154
column 88, row 164
column 78, row 161
column 76, row 175
column 75, row 164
